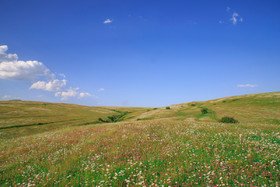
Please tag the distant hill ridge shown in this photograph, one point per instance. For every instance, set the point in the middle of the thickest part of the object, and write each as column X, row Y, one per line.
column 41, row 116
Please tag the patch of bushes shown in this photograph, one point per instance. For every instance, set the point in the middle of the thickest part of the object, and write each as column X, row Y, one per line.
column 204, row 110
column 114, row 118
column 139, row 119
column 228, row 120
column 111, row 119
column 167, row 108
column 155, row 108
column 193, row 104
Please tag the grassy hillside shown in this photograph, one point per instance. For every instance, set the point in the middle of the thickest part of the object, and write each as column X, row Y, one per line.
column 257, row 108
column 21, row 118
column 47, row 144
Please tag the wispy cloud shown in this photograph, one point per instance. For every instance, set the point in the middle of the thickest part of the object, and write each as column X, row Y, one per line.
column 235, row 18
column 6, row 97
column 101, row 90
column 13, row 69
column 228, row 9
column 9, row 97
column 62, row 75
column 107, row 21
column 246, row 85
column 71, row 92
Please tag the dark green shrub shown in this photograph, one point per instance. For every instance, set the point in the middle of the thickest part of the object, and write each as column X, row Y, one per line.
column 140, row 119
column 155, row 108
column 192, row 104
column 204, row 110
column 102, row 121
column 228, row 120
column 168, row 108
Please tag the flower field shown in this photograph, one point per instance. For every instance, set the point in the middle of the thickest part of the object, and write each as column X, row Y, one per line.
column 145, row 153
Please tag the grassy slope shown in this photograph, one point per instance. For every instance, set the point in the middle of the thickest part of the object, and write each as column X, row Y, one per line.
column 257, row 108
column 181, row 146
column 20, row 118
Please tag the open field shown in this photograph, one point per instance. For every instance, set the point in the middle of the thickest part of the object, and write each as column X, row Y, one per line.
column 21, row 118
column 45, row 144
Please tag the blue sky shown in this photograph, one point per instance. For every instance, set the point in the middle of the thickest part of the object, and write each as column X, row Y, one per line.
column 138, row 52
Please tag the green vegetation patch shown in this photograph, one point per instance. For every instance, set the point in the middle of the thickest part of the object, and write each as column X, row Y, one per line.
column 140, row 119
column 204, row 110
column 228, row 120
column 114, row 118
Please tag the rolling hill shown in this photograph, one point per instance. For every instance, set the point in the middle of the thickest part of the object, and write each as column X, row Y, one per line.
column 257, row 108
column 29, row 117
column 55, row 144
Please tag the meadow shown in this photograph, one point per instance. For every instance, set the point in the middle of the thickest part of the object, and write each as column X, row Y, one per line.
column 180, row 146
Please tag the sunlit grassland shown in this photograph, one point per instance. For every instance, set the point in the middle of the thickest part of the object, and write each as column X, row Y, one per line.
column 56, row 144
column 254, row 108
column 159, row 152
column 21, row 118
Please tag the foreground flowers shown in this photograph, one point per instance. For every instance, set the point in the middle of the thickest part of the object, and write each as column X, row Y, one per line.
column 150, row 153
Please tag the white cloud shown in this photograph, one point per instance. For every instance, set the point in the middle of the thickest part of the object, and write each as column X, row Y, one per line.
column 23, row 70
column 101, row 89
column 246, row 85
column 6, row 97
column 6, row 57
column 54, row 85
column 13, row 69
column 235, row 18
column 71, row 92
column 108, row 21
column 3, row 49
column 83, row 94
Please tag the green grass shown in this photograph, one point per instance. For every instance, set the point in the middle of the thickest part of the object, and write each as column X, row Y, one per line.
column 54, row 144
column 142, row 153
column 14, row 115
column 255, row 108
